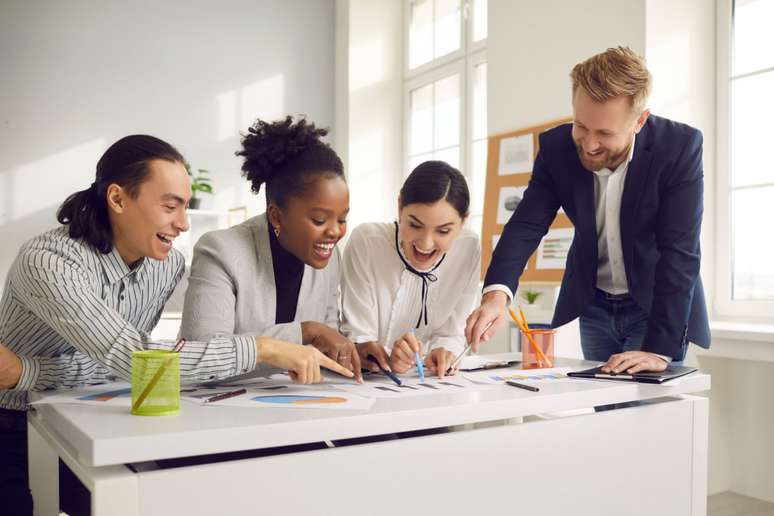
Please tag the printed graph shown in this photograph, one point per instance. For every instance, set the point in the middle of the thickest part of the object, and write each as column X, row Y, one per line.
column 107, row 395
column 288, row 399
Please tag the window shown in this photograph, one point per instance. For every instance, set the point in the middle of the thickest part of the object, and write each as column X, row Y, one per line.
column 745, row 281
column 445, row 90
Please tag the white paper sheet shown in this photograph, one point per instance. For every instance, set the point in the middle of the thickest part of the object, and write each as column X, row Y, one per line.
column 553, row 249
column 508, row 198
column 113, row 394
column 411, row 386
column 499, row 376
column 298, row 397
column 516, row 155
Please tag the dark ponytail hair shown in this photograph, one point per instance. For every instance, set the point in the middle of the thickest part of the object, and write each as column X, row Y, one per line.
column 286, row 156
column 432, row 181
column 125, row 163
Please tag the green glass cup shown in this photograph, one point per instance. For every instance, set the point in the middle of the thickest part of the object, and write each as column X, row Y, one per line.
column 155, row 383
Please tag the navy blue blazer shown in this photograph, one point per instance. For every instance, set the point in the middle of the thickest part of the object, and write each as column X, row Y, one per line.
column 661, row 213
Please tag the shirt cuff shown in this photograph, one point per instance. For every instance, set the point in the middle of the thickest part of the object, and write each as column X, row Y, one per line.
column 29, row 374
column 502, row 288
column 665, row 358
column 245, row 354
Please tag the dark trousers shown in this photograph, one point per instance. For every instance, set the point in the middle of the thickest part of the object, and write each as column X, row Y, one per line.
column 14, row 479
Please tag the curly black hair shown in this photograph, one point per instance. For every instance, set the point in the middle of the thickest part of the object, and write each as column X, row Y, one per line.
column 287, row 156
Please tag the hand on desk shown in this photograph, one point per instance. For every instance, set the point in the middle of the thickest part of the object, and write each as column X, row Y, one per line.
column 404, row 352
column 302, row 362
column 634, row 362
column 486, row 319
column 439, row 360
column 377, row 351
column 334, row 345
column 10, row 368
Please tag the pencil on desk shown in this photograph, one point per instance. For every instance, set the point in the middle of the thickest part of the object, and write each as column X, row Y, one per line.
column 225, row 395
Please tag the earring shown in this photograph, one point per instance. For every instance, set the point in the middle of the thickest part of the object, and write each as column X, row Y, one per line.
column 276, row 232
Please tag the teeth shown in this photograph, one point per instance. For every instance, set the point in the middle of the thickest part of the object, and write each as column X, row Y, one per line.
column 327, row 247
column 420, row 251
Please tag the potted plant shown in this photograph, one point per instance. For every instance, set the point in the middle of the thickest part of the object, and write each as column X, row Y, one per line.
column 531, row 309
column 200, row 182
column 531, row 296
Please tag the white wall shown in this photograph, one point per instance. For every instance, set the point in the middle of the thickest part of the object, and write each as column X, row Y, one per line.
column 534, row 44
column 78, row 75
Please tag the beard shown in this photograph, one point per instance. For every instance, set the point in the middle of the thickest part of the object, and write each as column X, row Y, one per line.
column 609, row 159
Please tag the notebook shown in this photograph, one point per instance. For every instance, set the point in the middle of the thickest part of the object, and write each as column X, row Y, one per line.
column 670, row 373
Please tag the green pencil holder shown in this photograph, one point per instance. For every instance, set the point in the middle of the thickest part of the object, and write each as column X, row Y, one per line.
column 155, row 383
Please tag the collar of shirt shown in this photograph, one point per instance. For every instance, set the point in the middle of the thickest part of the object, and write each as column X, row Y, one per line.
column 606, row 171
column 116, row 269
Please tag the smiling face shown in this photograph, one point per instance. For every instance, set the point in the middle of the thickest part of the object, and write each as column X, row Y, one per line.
column 145, row 224
column 427, row 231
column 603, row 131
column 310, row 226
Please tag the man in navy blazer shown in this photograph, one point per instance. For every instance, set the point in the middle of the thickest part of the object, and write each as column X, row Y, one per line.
column 632, row 185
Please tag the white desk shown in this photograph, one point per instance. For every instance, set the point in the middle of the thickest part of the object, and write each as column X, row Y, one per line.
column 649, row 459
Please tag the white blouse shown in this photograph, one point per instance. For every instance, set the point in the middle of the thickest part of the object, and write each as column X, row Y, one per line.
column 382, row 299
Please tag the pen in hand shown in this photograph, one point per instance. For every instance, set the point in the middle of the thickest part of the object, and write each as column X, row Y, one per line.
column 389, row 373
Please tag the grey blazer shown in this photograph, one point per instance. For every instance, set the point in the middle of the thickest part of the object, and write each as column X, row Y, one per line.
column 231, row 287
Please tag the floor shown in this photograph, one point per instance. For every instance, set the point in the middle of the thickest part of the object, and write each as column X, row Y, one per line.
column 732, row 504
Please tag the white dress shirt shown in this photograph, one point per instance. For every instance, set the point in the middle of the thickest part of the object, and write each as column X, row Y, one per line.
column 382, row 300
column 608, row 190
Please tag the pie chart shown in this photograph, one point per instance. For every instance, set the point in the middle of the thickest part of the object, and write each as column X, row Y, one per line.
column 289, row 399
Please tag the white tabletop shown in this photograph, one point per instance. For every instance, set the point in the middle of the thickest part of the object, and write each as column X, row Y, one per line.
column 100, row 436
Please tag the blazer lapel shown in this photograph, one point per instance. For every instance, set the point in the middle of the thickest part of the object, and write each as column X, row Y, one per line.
column 265, row 279
column 634, row 187
column 585, row 215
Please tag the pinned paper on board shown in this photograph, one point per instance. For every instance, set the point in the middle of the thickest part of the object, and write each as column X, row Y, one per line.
column 553, row 249
column 516, row 155
column 508, row 201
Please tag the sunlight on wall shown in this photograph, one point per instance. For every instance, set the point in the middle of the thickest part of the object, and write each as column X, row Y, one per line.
column 38, row 185
column 368, row 181
column 238, row 109
column 263, row 99
column 671, row 94
column 366, row 64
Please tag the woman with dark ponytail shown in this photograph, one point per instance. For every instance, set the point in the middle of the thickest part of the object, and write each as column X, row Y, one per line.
column 277, row 273
column 81, row 298
column 408, row 286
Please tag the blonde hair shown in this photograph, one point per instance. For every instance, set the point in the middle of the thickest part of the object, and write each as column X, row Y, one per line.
column 616, row 71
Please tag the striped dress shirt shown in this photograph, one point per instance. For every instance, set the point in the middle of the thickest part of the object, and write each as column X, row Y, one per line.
column 74, row 316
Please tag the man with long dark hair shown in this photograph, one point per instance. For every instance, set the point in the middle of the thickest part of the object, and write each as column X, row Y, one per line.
column 79, row 299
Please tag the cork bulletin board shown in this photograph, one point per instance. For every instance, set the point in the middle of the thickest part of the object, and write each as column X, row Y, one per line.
column 510, row 158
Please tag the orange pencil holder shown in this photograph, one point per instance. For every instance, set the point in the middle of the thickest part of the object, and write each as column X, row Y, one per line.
column 544, row 340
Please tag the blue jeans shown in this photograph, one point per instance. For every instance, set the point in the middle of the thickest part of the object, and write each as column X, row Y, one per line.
column 613, row 324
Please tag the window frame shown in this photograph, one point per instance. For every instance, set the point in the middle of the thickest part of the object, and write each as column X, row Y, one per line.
column 463, row 62
column 725, row 307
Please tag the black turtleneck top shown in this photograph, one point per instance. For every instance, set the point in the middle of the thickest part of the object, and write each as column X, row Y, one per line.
column 288, row 272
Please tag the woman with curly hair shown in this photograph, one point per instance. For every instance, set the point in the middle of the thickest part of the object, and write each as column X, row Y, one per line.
column 277, row 274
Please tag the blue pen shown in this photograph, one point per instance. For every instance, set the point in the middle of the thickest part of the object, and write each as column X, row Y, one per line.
column 392, row 375
column 420, row 365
